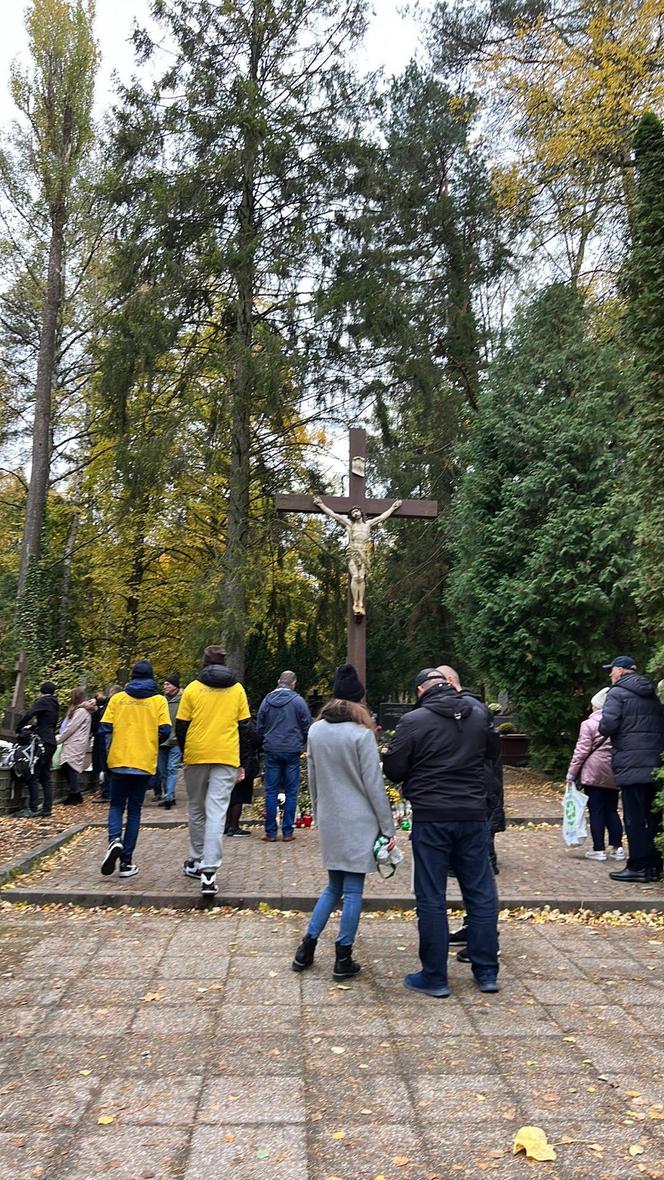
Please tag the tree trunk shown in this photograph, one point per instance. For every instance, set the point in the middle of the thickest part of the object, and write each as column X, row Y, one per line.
column 66, row 579
column 42, row 432
column 242, row 384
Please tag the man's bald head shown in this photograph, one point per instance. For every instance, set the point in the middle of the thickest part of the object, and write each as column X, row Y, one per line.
column 287, row 679
column 451, row 676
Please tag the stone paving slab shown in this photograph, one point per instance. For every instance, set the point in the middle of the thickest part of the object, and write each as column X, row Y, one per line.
column 535, row 870
column 296, row 1078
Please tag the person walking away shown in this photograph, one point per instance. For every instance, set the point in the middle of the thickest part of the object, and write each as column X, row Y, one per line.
column 209, row 727
column 42, row 716
column 351, row 809
column 438, row 752
column 170, row 755
column 243, row 791
column 634, row 720
column 591, row 767
column 74, row 741
column 495, row 798
column 99, row 745
column 136, row 721
column 283, row 724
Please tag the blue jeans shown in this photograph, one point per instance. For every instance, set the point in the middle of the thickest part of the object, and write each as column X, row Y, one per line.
column 281, row 773
column 350, row 887
column 127, row 790
column 435, row 846
column 168, row 766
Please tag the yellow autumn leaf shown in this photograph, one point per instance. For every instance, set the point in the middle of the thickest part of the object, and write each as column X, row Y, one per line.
column 85, row 1073
column 338, row 1134
column 105, row 1119
column 636, row 1149
column 534, row 1142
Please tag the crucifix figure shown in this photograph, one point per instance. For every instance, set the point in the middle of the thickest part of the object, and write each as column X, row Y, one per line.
column 359, row 546
column 358, row 515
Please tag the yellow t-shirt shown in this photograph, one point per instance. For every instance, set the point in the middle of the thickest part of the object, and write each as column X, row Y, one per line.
column 213, row 714
column 135, row 737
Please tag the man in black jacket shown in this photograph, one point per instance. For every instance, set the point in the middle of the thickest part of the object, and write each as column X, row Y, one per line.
column 438, row 753
column 43, row 718
column 634, row 720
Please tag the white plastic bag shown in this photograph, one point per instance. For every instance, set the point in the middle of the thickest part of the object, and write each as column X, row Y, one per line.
column 575, row 828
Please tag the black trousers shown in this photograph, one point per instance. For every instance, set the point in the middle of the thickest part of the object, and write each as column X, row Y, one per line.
column 641, row 826
column 71, row 778
column 603, row 811
column 42, row 777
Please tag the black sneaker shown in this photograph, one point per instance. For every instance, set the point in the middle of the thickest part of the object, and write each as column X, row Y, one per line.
column 127, row 870
column 459, row 935
column 209, row 882
column 464, row 957
column 191, row 868
column 113, row 854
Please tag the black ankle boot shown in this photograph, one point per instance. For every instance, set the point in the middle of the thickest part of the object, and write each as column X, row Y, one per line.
column 304, row 955
column 344, row 964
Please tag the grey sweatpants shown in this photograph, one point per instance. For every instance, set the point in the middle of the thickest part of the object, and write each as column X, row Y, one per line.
column 209, row 787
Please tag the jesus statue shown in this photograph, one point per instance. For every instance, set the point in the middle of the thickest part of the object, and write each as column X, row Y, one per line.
column 359, row 546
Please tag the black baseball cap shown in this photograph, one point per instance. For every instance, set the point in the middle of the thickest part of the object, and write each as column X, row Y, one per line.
column 428, row 674
column 621, row 662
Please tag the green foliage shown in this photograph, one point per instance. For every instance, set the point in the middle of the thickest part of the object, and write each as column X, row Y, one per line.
column 645, row 320
column 542, row 534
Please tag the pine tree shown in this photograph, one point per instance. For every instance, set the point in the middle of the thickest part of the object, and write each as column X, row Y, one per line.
column 227, row 172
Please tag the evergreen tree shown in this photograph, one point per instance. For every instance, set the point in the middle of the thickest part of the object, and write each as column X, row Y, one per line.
column 543, row 532
column 645, row 314
column 227, row 171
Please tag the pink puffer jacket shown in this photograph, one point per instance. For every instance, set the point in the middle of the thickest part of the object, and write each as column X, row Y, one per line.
column 591, row 762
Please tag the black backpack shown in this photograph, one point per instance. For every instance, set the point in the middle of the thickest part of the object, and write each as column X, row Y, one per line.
column 25, row 754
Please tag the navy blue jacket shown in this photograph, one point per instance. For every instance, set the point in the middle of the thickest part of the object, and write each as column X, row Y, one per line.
column 634, row 720
column 283, row 722
column 439, row 753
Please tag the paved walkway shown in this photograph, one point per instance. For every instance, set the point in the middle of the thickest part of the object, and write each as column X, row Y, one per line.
column 535, row 869
column 154, row 1047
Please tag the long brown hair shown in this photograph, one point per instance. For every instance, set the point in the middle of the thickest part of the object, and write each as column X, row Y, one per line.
column 76, row 699
column 338, row 710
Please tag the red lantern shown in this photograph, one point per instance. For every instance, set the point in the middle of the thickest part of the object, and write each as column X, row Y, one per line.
column 307, row 821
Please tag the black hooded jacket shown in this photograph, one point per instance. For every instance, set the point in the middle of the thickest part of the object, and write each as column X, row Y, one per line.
column 438, row 753
column 45, row 712
column 634, row 720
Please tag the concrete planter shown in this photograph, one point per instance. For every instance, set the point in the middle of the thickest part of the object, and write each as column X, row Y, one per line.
column 14, row 795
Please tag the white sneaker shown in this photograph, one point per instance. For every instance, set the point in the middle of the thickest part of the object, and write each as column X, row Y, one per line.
column 592, row 855
column 128, row 870
column 617, row 854
column 208, row 883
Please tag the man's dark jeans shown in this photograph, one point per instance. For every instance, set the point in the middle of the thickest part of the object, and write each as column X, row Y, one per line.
column 127, row 790
column 42, row 776
column 641, row 826
column 435, row 846
column 281, row 772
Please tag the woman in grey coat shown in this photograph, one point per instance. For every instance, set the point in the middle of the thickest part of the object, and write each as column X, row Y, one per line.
column 350, row 809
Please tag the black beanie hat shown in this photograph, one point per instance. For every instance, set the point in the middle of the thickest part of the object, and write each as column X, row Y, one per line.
column 47, row 687
column 142, row 670
column 347, row 684
column 174, row 680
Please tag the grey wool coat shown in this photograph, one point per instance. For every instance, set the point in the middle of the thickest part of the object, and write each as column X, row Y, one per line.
column 348, row 797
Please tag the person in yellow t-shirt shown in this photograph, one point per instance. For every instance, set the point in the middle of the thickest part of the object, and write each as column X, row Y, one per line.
column 209, row 727
column 135, row 722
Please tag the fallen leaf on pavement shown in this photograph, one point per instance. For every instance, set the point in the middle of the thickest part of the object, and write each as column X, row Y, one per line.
column 105, row 1119
column 149, row 996
column 534, row 1142
column 636, row 1149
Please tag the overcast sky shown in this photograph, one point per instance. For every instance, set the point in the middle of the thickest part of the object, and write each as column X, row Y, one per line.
column 390, row 42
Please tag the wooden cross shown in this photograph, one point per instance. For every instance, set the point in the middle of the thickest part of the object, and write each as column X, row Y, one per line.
column 357, row 498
